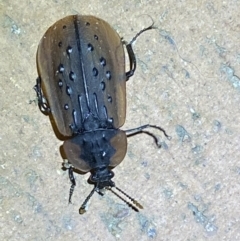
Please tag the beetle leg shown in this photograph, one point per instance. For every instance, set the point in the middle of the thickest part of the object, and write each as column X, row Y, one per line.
column 140, row 130
column 72, row 179
column 42, row 102
column 131, row 55
column 82, row 209
column 132, row 61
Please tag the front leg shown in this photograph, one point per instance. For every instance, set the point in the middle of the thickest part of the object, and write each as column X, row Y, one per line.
column 72, row 179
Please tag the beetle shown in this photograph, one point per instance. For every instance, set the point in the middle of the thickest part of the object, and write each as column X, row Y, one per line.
column 82, row 87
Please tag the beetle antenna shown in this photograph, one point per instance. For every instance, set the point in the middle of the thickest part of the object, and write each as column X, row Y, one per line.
column 82, row 209
column 136, row 203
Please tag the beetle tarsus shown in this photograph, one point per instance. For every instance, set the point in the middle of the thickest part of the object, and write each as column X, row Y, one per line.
column 131, row 55
column 42, row 102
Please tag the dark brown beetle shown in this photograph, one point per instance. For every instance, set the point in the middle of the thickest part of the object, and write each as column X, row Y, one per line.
column 82, row 86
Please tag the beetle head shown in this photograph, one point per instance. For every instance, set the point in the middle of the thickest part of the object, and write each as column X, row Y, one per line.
column 101, row 178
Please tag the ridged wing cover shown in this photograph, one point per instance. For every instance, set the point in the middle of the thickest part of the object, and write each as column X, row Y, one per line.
column 81, row 64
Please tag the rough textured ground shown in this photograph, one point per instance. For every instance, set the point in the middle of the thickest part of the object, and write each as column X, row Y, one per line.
column 186, row 81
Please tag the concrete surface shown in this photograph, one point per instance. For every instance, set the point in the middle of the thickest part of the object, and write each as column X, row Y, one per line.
column 186, row 81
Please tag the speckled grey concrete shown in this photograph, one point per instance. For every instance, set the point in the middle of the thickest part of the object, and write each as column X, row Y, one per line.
column 186, row 81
